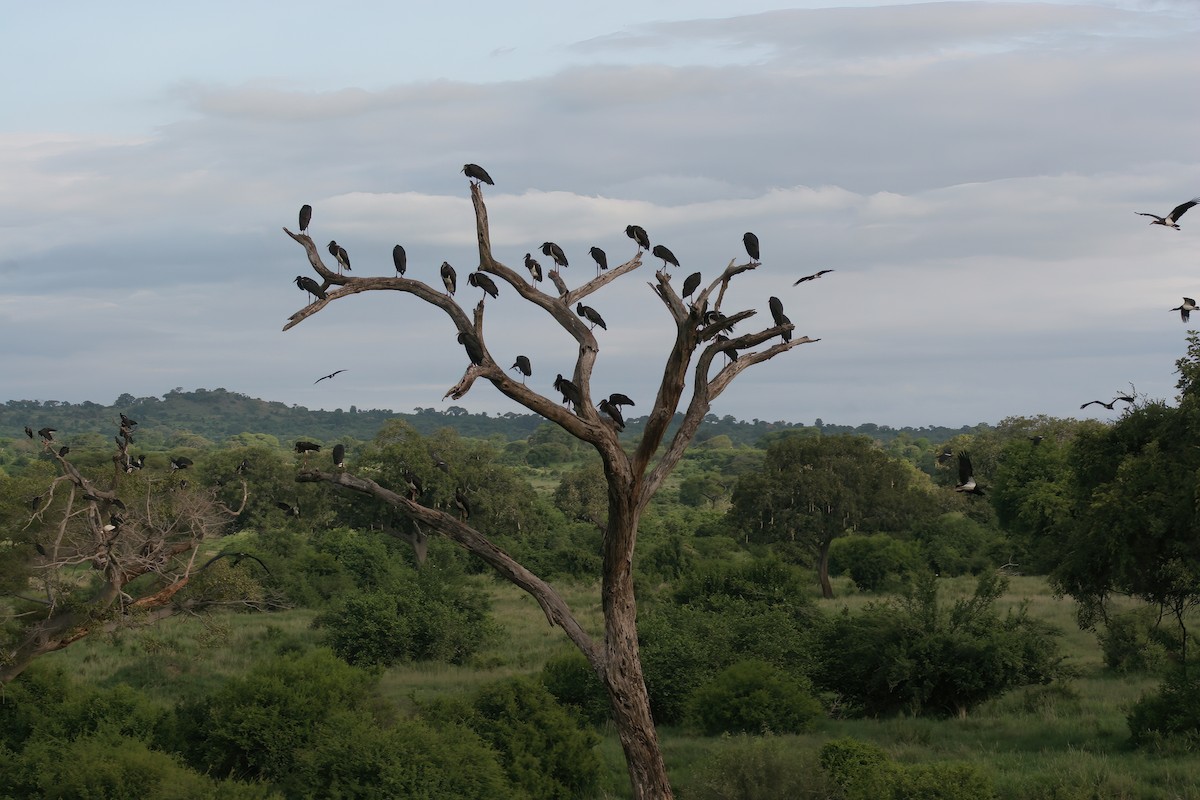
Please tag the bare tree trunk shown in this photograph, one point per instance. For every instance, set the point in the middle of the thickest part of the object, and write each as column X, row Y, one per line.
column 823, row 569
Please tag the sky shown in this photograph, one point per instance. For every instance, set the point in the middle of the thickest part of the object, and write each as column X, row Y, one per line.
column 968, row 170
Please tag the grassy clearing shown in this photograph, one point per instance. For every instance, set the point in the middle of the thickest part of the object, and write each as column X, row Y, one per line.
column 1058, row 742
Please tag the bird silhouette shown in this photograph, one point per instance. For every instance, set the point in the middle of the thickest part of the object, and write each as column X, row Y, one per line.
column 691, row 283
column 751, row 243
column 304, row 447
column 439, row 463
column 400, row 259
column 29, row 431
column 1185, row 310
column 523, row 366
column 591, row 315
column 1036, row 440
column 62, row 451
column 614, row 413
column 638, row 234
column 666, row 255
column 477, row 173
column 535, row 269
column 45, row 433
column 470, row 343
column 238, row 558
column 305, row 217
column 327, row 377
column 126, row 422
column 1171, row 220
column 569, row 391
column 812, row 277
column 287, row 508
column 312, row 287
column 482, row 281
column 779, row 317
column 180, row 462
column 340, row 255
column 415, row 487
column 730, row 352
column 944, row 457
column 1109, row 405
column 556, row 254
column 966, row 476
column 600, row 257
column 339, row 456
column 618, row 399
column 448, row 278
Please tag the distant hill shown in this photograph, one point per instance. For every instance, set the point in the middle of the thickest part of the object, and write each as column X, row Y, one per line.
column 216, row 415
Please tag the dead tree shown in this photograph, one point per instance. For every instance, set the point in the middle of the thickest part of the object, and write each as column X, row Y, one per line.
column 92, row 542
column 633, row 478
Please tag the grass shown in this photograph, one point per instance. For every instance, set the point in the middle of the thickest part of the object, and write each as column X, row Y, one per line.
column 1057, row 742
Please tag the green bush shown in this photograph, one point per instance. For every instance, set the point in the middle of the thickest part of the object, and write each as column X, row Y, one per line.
column 1170, row 716
column 918, row 657
column 752, row 697
column 865, row 772
column 571, row 679
column 759, row 768
column 873, row 562
column 1133, row 642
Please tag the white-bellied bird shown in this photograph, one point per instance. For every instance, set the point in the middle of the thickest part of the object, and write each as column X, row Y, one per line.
column 1171, row 220
column 1185, row 310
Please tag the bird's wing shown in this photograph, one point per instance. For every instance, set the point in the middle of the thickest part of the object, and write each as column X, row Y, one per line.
column 1189, row 301
column 1182, row 208
column 964, row 467
column 1088, row 403
column 1147, row 214
column 802, row 280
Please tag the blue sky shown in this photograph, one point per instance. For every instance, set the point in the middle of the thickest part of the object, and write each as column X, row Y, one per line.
column 969, row 170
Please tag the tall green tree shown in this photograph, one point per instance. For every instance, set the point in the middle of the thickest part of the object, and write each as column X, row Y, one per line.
column 812, row 490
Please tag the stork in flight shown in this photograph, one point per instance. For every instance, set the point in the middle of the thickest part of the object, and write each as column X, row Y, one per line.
column 1185, row 310
column 1171, row 220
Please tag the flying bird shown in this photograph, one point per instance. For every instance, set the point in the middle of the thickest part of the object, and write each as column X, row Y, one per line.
column 181, row 462
column 1109, row 406
column 327, row 377
column 400, row 259
column 477, row 173
column 591, row 315
column 242, row 467
column 779, row 317
column 600, row 257
column 339, row 456
column 312, row 287
column 439, row 463
column 287, row 508
column 339, row 253
column 304, row 447
column 614, row 413
column 482, row 281
column 1036, row 440
column 126, row 422
column 1171, row 220
column 29, row 431
column 62, row 451
column 966, row 476
column 449, row 278
column 45, row 433
column 618, row 399
column 556, row 253
column 523, row 366
column 238, row 558
column 638, row 234
column 812, row 277
column 751, row 242
column 535, row 269
column 666, row 255
column 1185, row 310
column 944, row 457
column 691, row 283
column 305, row 217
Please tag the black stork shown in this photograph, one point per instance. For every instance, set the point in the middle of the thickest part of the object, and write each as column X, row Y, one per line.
column 751, row 243
column 45, row 433
column 29, row 431
column 614, row 413
column 535, row 269
column 340, row 255
column 666, row 255
column 812, row 277
column 327, row 377
column 600, row 257
column 312, row 287
column 639, row 235
column 415, row 487
column 779, row 317
column 482, row 281
column 287, row 508
column 591, row 315
column 304, row 448
column 618, row 399
column 470, row 343
column 449, row 279
column 181, row 462
column 339, row 456
column 523, row 366
column 305, row 217
column 570, row 391
column 966, row 476
column 1185, row 310
column 691, row 283
column 477, row 173
column 400, row 259
column 1171, row 220
column 556, row 254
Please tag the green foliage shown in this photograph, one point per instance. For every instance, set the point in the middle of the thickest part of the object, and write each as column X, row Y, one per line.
column 1134, row 641
column 1169, row 717
column 956, row 544
column 874, row 562
column 571, row 679
column 540, row 745
column 752, row 697
column 918, row 657
column 864, row 772
column 759, row 768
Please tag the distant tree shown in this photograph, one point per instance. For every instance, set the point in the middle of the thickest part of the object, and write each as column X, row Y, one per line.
column 812, row 490
column 632, row 478
column 96, row 552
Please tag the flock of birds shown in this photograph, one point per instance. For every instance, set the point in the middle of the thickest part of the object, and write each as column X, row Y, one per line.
column 966, row 473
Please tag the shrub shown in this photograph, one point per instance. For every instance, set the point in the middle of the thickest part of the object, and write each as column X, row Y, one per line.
column 871, row 561
column 571, row 679
column 920, row 658
column 759, row 768
column 1133, row 642
column 752, row 697
column 1170, row 716
column 865, row 772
